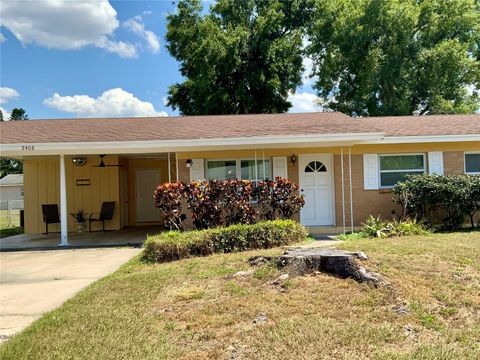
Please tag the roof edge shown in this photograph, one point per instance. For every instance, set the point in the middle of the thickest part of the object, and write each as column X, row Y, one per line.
column 139, row 146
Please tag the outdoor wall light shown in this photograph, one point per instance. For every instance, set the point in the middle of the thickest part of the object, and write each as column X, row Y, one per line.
column 293, row 159
column 79, row 161
column 189, row 163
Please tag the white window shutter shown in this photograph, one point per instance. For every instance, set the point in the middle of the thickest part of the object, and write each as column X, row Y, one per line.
column 435, row 162
column 280, row 167
column 197, row 170
column 370, row 171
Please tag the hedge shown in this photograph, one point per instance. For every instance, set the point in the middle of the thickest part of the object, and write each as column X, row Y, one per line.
column 175, row 245
column 449, row 199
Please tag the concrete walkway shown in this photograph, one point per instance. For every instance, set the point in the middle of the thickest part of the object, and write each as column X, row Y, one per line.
column 35, row 282
column 125, row 237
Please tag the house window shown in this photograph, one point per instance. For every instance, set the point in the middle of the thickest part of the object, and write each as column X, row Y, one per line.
column 222, row 169
column 248, row 169
column 393, row 168
column 239, row 169
column 315, row 166
column 472, row 163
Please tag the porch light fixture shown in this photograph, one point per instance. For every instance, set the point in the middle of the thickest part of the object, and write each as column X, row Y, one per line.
column 293, row 159
column 189, row 163
column 79, row 161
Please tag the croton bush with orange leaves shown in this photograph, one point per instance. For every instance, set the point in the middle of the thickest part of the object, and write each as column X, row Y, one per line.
column 214, row 203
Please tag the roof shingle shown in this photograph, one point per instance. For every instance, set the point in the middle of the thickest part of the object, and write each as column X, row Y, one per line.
column 230, row 126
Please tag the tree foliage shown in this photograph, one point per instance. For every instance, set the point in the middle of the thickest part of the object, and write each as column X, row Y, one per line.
column 18, row 114
column 10, row 166
column 244, row 56
column 396, row 57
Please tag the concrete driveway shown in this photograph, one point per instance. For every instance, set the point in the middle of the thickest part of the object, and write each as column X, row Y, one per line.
column 35, row 282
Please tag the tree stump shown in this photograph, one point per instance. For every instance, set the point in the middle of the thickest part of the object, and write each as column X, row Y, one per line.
column 344, row 264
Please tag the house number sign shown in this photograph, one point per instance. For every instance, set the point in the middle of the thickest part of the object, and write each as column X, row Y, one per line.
column 28, row 147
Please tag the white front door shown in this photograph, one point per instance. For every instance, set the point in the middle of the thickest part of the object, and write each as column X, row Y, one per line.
column 316, row 185
column 146, row 181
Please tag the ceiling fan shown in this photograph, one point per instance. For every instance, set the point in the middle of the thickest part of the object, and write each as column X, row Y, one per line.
column 102, row 164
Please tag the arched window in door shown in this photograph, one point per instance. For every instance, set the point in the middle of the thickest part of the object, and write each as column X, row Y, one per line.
column 315, row 166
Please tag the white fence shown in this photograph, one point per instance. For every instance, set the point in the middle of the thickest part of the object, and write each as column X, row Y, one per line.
column 11, row 204
column 10, row 213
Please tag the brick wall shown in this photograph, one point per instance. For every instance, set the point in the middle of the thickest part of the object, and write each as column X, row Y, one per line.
column 453, row 162
column 375, row 202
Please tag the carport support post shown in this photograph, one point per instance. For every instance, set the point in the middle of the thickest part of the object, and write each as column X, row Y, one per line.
column 63, row 204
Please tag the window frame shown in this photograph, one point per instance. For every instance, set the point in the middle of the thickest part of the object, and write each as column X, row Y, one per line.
column 380, row 171
column 465, row 163
column 238, row 166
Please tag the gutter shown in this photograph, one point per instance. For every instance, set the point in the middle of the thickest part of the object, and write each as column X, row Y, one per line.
column 132, row 147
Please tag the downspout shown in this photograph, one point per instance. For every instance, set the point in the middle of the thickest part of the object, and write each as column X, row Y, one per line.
column 176, row 166
column 256, row 168
column 350, row 181
column 343, row 189
column 263, row 162
column 169, row 169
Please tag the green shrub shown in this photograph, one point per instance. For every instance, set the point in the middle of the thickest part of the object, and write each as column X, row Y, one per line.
column 377, row 228
column 175, row 245
column 448, row 199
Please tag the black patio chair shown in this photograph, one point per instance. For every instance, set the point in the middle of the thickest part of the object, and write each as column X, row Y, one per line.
column 50, row 215
column 106, row 213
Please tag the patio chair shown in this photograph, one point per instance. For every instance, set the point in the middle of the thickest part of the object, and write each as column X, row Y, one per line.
column 50, row 215
column 106, row 213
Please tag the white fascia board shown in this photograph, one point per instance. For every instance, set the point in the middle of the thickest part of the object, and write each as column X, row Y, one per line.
column 426, row 139
column 138, row 147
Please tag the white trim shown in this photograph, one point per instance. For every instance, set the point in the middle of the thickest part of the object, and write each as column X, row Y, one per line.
column 370, row 172
column 63, row 204
column 197, row 170
column 465, row 163
column 279, row 167
column 351, row 187
column 155, row 146
column 380, row 171
column 425, row 139
column 435, row 162
column 343, row 190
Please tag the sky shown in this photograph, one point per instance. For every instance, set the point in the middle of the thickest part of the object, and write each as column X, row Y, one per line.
column 94, row 58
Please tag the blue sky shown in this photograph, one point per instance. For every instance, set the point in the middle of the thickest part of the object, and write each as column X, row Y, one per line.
column 91, row 58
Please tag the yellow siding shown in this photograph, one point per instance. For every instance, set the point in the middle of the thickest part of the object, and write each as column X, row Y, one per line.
column 41, row 186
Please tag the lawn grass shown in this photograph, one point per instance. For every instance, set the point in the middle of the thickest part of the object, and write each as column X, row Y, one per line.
column 192, row 309
column 9, row 223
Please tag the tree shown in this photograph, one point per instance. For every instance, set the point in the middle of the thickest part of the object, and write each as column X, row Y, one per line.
column 244, row 56
column 1, row 115
column 10, row 166
column 396, row 57
column 18, row 114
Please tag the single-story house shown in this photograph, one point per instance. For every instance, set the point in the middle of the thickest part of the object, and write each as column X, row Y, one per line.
column 345, row 167
column 11, row 192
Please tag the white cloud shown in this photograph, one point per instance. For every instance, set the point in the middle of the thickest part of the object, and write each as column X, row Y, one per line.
column 123, row 49
column 7, row 94
column 6, row 114
column 112, row 103
column 137, row 26
column 304, row 102
column 2, row 38
column 64, row 24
